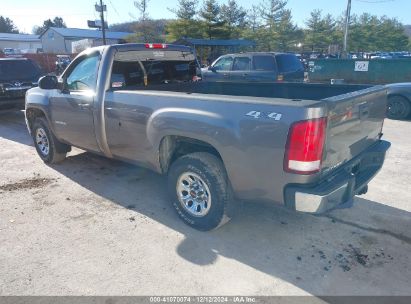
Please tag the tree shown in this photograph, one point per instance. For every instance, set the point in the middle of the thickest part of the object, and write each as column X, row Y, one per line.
column 372, row 33
column 56, row 22
column 234, row 18
column 185, row 25
column 288, row 34
column 141, row 6
column 143, row 28
column 186, row 9
column 148, row 31
column 272, row 11
column 253, row 18
column 277, row 30
column 321, row 31
column 210, row 14
column 7, row 26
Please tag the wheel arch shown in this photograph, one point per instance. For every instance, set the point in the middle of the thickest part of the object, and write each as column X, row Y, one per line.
column 31, row 115
column 174, row 146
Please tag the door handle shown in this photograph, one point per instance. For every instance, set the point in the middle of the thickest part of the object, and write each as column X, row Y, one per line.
column 225, row 75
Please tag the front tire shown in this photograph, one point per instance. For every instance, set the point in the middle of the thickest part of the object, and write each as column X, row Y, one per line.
column 398, row 107
column 49, row 149
column 201, row 192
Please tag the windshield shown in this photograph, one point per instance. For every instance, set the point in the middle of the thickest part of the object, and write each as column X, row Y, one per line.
column 18, row 70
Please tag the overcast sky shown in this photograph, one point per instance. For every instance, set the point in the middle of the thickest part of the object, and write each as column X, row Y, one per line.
column 28, row 13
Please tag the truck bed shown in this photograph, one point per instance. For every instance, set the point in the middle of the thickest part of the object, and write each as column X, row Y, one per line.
column 355, row 112
column 287, row 90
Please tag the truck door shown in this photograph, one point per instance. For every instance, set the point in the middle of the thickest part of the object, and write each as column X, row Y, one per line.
column 241, row 70
column 220, row 70
column 72, row 106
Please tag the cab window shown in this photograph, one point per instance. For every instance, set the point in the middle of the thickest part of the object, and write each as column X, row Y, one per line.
column 83, row 76
column 140, row 69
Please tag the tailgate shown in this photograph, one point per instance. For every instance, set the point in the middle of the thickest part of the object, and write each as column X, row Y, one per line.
column 355, row 122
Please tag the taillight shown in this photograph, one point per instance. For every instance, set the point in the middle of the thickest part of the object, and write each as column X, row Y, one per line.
column 156, row 46
column 305, row 145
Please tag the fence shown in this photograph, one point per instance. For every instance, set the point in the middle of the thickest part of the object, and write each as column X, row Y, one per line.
column 46, row 61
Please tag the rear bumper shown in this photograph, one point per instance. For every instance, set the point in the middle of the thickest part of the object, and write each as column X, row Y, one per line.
column 338, row 189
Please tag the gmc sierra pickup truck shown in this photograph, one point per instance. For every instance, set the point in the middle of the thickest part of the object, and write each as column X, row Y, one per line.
column 308, row 147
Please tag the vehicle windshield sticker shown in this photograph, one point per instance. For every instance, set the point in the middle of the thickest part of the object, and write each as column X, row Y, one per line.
column 158, row 54
column 117, row 84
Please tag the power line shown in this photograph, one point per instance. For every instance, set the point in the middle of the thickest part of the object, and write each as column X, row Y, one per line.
column 114, row 8
column 375, row 1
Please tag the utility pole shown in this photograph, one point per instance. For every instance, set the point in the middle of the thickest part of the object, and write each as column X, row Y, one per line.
column 101, row 8
column 347, row 26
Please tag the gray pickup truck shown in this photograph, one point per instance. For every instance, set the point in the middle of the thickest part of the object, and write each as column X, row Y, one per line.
column 306, row 147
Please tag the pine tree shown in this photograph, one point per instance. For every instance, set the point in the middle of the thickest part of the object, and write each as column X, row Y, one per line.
column 7, row 25
column 234, row 17
column 185, row 25
column 210, row 14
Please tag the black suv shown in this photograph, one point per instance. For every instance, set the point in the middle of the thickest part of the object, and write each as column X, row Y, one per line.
column 255, row 67
column 17, row 75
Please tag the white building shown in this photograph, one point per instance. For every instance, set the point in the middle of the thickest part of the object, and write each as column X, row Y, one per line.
column 59, row 40
column 23, row 42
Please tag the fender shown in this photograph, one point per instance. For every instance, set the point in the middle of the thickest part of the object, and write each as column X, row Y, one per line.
column 206, row 126
column 38, row 99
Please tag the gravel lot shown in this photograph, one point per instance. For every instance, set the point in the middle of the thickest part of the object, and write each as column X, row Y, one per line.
column 91, row 226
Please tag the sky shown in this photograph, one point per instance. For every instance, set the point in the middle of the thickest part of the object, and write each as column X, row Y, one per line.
column 28, row 13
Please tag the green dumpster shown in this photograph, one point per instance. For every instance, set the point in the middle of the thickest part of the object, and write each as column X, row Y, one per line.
column 373, row 71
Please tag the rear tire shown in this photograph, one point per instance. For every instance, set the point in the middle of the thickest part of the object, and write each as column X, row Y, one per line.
column 49, row 149
column 201, row 192
column 398, row 107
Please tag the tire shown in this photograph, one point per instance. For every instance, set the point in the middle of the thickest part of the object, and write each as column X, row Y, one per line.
column 204, row 177
column 398, row 107
column 49, row 149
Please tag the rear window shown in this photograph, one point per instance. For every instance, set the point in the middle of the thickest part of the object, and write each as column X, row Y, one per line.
column 145, row 68
column 18, row 70
column 264, row 63
column 288, row 63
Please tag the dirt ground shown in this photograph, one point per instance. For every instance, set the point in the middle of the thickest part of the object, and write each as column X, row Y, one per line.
column 91, row 226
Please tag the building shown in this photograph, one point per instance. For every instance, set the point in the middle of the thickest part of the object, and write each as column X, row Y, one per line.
column 59, row 40
column 21, row 42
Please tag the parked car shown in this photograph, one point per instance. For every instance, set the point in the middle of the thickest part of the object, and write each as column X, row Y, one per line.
column 17, row 75
column 399, row 100
column 11, row 52
column 255, row 67
column 61, row 63
column 299, row 145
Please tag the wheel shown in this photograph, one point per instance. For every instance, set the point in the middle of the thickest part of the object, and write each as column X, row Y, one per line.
column 200, row 190
column 398, row 107
column 48, row 147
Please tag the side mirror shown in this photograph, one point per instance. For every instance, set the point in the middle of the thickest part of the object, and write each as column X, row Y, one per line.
column 211, row 68
column 48, row 82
